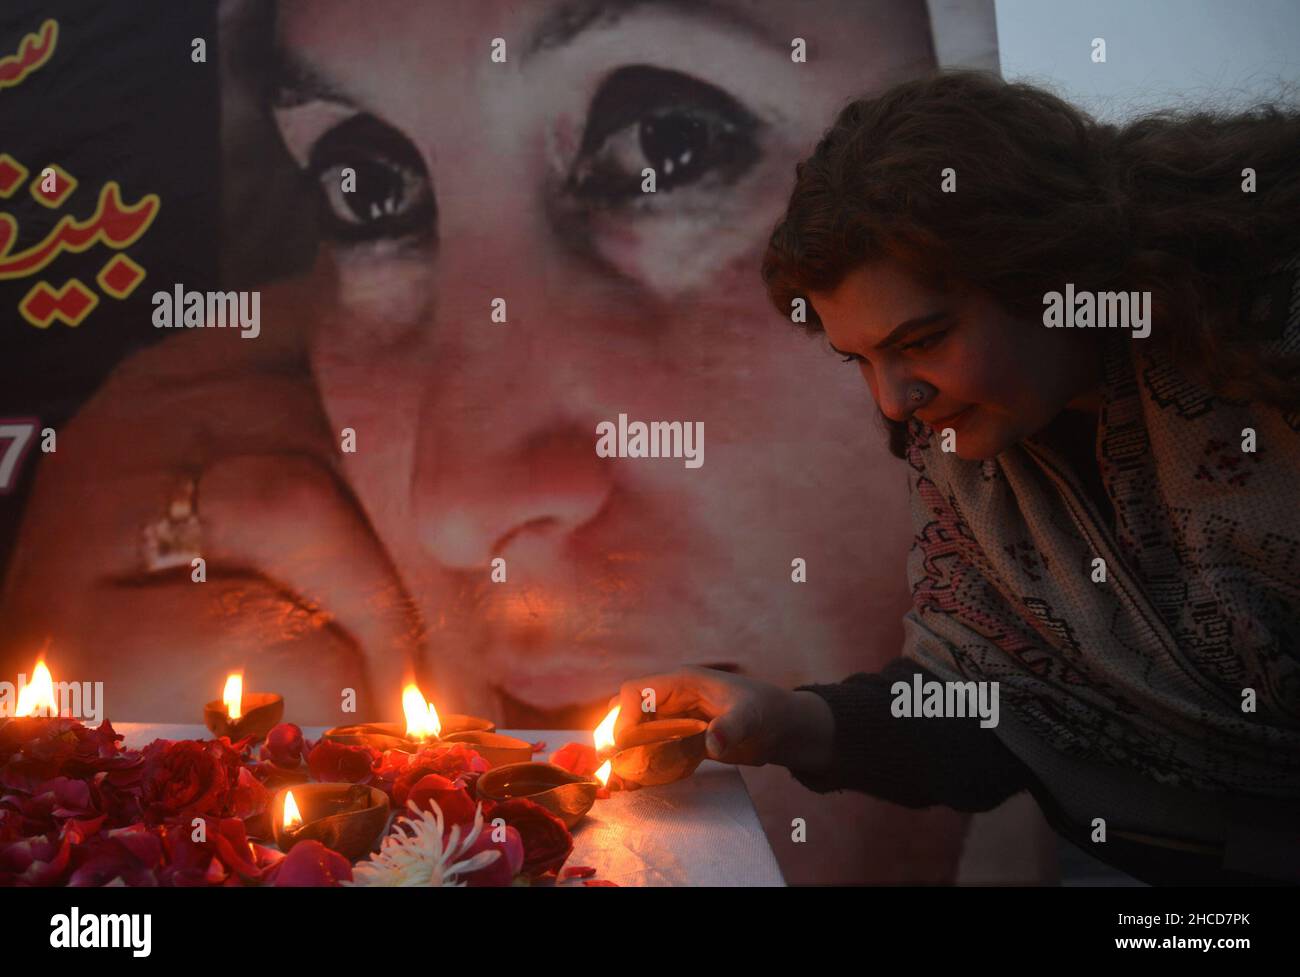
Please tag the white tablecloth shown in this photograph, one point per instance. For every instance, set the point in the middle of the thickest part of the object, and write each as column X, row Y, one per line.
column 699, row 831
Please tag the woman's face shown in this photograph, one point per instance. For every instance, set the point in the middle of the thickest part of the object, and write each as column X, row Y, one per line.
column 520, row 180
column 997, row 379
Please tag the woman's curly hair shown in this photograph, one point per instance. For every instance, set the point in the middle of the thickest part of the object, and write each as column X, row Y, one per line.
column 1047, row 195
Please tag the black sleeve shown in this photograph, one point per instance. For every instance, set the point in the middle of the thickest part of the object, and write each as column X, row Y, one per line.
column 911, row 761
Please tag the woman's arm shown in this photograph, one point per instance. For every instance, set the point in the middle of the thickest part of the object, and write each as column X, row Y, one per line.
column 915, row 762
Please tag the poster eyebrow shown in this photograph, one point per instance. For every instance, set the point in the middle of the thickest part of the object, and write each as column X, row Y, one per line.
column 572, row 18
column 296, row 82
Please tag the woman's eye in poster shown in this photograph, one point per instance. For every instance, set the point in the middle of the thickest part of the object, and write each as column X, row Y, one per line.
column 372, row 182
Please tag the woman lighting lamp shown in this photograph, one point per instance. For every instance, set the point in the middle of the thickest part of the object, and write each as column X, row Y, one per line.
column 1105, row 526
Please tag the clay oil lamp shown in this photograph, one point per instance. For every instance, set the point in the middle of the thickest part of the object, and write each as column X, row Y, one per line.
column 453, row 724
column 564, row 794
column 348, row 818
column 238, row 713
column 423, row 722
column 655, row 752
column 37, row 701
column 380, row 736
column 496, row 749
column 423, row 725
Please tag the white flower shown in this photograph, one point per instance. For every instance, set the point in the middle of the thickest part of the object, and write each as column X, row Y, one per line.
column 415, row 854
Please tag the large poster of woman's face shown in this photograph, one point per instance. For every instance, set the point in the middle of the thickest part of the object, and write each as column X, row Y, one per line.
column 499, row 403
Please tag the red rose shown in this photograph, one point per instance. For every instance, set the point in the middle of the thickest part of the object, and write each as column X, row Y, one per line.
column 188, row 778
column 455, row 803
column 577, row 758
column 453, row 760
column 340, row 763
column 503, row 869
column 406, row 778
column 311, row 863
column 392, row 764
column 399, row 772
column 284, row 746
column 547, row 842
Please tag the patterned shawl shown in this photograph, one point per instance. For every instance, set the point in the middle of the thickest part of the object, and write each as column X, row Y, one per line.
column 1145, row 671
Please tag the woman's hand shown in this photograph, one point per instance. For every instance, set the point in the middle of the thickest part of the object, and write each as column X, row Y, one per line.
column 750, row 722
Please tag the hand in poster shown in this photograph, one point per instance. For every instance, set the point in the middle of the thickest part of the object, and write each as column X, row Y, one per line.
column 297, row 590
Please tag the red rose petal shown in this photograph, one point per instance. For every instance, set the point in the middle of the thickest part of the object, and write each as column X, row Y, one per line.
column 311, row 863
column 577, row 758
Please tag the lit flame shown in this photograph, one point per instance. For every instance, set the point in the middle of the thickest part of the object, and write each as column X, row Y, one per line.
column 421, row 718
column 233, row 696
column 604, row 734
column 38, row 694
column 603, row 773
column 292, row 817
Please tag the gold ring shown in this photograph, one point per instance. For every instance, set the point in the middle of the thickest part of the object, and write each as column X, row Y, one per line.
column 175, row 540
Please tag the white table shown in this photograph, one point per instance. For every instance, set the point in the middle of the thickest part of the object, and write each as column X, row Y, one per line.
column 699, row 831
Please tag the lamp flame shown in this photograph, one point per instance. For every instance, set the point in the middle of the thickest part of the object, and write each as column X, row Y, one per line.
column 604, row 734
column 38, row 695
column 233, row 696
column 292, row 816
column 421, row 718
column 603, row 773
